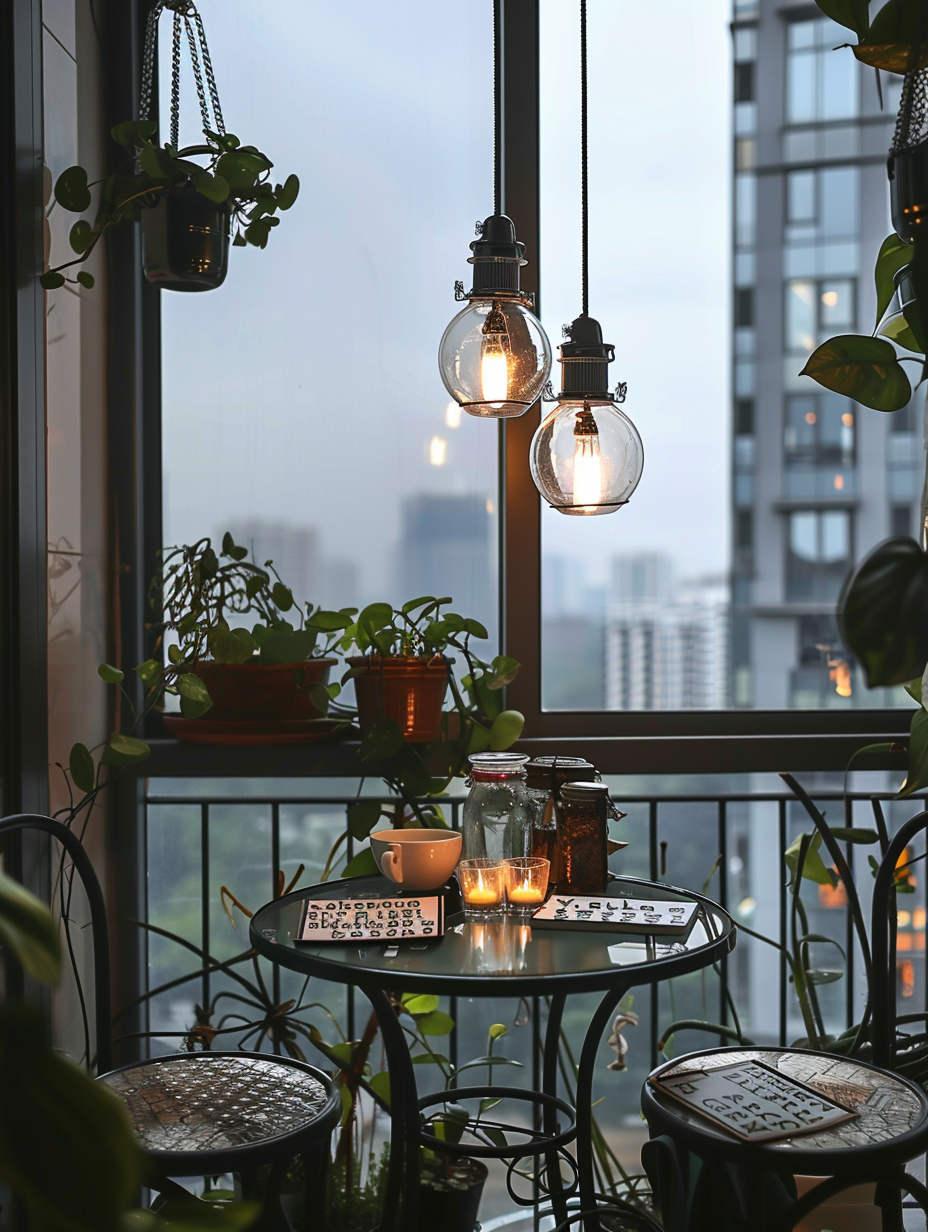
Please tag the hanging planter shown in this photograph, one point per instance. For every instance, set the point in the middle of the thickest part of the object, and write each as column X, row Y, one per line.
column 190, row 210
column 908, row 161
column 185, row 241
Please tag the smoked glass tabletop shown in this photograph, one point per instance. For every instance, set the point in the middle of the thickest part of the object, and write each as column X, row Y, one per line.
column 504, row 954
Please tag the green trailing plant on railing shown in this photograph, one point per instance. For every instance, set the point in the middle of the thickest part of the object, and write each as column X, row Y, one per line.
column 807, row 863
column 233, row 175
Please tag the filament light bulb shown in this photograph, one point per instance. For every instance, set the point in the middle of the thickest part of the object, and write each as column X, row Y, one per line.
column 588, row 461
column 494, row 356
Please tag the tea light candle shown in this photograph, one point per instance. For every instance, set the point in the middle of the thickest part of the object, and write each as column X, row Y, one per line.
column 483, row 883
column 527, row 882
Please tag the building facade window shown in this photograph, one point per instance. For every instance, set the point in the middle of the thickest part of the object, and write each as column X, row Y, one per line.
column 819, row 456
column 818, row 555
column 819, row 85
column 816, row 309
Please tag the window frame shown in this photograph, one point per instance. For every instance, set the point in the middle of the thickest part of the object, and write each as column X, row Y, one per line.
column 642, row 742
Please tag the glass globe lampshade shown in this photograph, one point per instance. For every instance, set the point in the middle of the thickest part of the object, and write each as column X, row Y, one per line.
column 495, row 358
column 586, row 458
column 586, row 455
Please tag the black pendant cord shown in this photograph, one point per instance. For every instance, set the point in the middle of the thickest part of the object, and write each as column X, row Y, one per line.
column 497, row 113
column 584, row 186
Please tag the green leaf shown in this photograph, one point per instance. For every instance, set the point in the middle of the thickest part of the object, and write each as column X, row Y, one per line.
column 413, row 772
column 813, row 868
column 488, row 1103
column 52, row 280
column 506, row 730
column 362, row 817
column 282, row 596
column 865, row 369
column 895, row 30
column 257, row 233
column 123, row 750
column 882, row 612
column 898, row 330
column 80, row 236
column 893, row 255
column 109, row 674
column 28, row 932
column 287, row 194
column 384, row 740
column 376, row 616
column 230, row 548
column 420, row 1003
column 854, row 14
column 475, row 628
column 503, row 671
column 85, row 279
column 846, row 834
column 66, row 1144
column 823, row 977
column 381, row 1084
column 498, row 1030
column 149, row 671
column 329, row 622
column 194, row 696
column 134, row 132
column 363, row 865
column 496, row 1136
column 483, row 1062
column 917, row 776
column 213, row 187
column 282, row 645
column 430, row 1058
column 228, row 647
column 436, row 1023
column 156, row 163
column 71, row 191
column 80, row 763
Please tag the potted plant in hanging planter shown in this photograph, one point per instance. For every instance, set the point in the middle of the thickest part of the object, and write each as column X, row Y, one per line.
column 190, row 211
column 267, row 677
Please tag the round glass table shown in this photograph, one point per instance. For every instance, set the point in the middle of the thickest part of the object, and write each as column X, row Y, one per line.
column 497, row 958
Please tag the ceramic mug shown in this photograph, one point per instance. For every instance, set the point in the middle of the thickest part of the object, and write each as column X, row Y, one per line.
column 416, row 859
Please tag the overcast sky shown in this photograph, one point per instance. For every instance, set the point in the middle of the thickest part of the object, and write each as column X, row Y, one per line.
column 307, row 387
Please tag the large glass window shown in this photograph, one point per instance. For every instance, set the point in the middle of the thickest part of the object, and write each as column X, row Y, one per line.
column 816, row 309
column 819, row 554
column 646, row 291
column 302, row 404
column 819, row 85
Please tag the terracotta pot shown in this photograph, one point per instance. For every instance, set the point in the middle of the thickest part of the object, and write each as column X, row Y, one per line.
column 185, row 241
column 408, row 690
column 453, row 1209
column 251, row 691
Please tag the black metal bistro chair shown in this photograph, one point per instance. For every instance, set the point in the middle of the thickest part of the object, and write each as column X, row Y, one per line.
column 207, row 1113
column 704, row 1178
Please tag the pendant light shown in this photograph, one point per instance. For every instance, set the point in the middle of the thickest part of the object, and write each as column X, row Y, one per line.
column 495, row 357
column 586, row 456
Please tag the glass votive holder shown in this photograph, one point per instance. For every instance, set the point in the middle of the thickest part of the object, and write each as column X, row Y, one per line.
column 483, row 886
column 526, row 884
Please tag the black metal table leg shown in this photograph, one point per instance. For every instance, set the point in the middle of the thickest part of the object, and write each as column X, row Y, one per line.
column 401, row 1201
column 592, row 1042
column 549, row 1086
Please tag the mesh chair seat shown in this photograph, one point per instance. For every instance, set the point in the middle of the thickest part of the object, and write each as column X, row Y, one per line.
column 195, row 1111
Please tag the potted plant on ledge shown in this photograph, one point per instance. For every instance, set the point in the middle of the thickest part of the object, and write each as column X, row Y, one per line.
column 247, row 653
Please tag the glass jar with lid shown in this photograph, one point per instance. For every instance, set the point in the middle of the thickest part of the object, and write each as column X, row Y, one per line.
column 583, row 839
column 498, row 809
column 546, row 776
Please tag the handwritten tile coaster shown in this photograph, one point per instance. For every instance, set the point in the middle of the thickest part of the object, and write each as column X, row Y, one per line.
column 753, row 1101
column 371, row 919
column 631, row 915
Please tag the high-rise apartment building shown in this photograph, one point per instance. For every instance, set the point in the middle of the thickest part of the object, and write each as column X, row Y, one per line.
column 817, row 480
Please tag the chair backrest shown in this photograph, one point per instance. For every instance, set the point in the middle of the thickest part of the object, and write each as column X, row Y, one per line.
column 882, row 943
column 101, row 941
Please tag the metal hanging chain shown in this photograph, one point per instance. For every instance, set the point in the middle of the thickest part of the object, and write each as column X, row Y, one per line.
column 186, row 15
column 912, row 119
column 497, row 114
column 584, row 180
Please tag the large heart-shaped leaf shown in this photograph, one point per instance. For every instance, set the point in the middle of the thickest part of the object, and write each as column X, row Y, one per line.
column 71, row 190
column 854, row 14
column 883, row 612
column 917, row 774
column 123, row 750
column 896, row 29
column 865, row 369
column 28, row 931
column 893, row 255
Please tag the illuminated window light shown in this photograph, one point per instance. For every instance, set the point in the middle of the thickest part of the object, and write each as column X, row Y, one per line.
column 918, row 919
column 847, row 419
column 438, row 450
column 811, row 417
column 830, row 298
column 907, row 977
column 839, row 483
column 453, row 415
column 903, row 919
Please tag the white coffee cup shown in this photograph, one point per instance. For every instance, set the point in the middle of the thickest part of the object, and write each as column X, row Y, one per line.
column 416, row 859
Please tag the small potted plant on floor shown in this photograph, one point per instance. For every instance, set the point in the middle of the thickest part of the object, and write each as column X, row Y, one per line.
column 248, row 653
